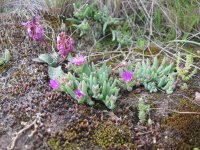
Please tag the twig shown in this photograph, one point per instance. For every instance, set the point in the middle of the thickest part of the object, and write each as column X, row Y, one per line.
column 178, row 112
column 185, row 41
column 18, row 134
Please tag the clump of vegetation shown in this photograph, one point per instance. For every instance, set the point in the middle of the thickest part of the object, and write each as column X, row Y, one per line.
column 88, row 83
column 87, row 16
column 143, row 110
column 5, row 58
column 122, row 38
column 185, row 71
column 55, row 144
column 150, row 76
column 109, row 135
column 85, row 82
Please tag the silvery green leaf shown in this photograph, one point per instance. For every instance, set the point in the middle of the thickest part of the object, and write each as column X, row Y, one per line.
column 7, row 56
column 86, row 69
column 90, row 102
column 1, row 61
column 109, row 103
column 129, row 88
column 84, row 87
column 56, row 73
column 70, row 91
column 51, row 59
column 155, row 63
column 44, row 58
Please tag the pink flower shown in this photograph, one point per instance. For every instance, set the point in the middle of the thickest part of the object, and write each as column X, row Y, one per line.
column 35, row 30
column 64, row 46
column 54, row 84
column 78, row 60
column 70, row 44
column 127, row 76
column 79, row 94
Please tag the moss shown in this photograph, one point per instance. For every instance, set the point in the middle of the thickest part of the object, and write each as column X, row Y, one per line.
column 187, row 126
column 75, row 137
column 83, row 134
column 55, row 144
column 153, row 50
column 109, row 135
column 4, row 67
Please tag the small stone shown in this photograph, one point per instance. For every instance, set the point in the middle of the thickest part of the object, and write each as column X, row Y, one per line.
column 197, row 97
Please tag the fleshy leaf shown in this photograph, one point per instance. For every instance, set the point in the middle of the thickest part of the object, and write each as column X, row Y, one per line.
column 51, row 59
column 56, row 73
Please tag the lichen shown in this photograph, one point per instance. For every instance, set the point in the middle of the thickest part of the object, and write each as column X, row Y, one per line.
column 187, row 126
column 109, row 135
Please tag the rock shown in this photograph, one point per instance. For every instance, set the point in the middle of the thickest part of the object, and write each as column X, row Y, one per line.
column 197, row 97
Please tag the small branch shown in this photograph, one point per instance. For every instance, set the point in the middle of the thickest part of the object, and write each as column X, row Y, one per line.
column 34, row 123
column 178, row 112
column 19, row 134
column 184, row 41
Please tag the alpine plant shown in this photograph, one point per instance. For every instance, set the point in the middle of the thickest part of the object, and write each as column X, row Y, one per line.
column 64, row 45
column 34, row 28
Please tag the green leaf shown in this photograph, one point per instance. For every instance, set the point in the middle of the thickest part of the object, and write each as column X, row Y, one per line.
column 7, row 56
column 141, row 43
column 70, row 92
column 1, row 61
column 129, row 88
column 162, row 81
column 56, row 73
column 51, row 59
column 155, row 63
column 104, row 27
column 63, row 88
column 44, row 58
column 84, row 87
column 86, row 69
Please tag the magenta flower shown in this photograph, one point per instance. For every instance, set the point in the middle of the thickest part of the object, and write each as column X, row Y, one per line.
column 79, row 94
column 35, row 30
column 78, row 60
column 54, row 84
column 64, row 46
column 127, row 76
column 70, row 44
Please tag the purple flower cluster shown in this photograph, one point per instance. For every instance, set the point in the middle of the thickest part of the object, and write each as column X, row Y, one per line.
column 35, row 30
column 54, row 84
column 78, row 60
column 64, row 45
column 127, row 76
column 79, row 94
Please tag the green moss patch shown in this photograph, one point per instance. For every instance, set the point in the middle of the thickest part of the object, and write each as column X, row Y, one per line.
column 83, row 134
